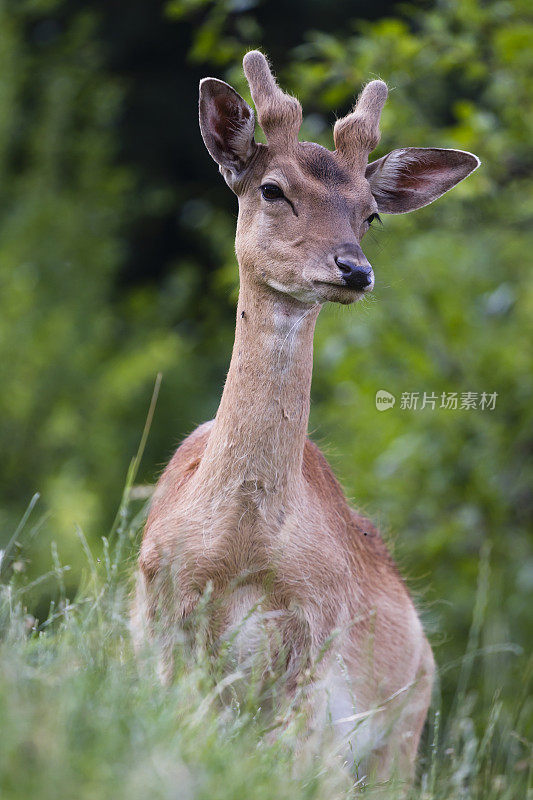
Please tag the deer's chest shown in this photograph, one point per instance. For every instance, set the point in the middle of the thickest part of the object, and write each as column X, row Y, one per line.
column 284, row 555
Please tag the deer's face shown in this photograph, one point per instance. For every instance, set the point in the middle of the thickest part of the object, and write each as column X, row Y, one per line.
column 301, row 220
column 303, row 210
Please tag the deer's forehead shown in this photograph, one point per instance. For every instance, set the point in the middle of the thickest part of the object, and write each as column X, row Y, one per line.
column 318, row 163
column 314, row 169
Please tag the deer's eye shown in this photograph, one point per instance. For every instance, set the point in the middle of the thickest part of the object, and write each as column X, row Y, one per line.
column 271, row 192
column 373, row 217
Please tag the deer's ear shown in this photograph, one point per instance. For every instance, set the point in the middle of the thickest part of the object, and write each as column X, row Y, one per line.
column 227, row 124
column 407, row 179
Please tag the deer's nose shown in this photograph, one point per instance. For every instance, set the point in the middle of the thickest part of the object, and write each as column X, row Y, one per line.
column 356, row 276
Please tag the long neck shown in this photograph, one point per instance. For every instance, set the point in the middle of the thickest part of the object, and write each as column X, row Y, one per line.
column 259, row 432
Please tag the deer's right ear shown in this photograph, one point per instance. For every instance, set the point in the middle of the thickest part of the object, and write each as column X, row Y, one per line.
column 227, row 124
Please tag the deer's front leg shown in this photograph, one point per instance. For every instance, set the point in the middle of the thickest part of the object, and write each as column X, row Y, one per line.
column 164, row 601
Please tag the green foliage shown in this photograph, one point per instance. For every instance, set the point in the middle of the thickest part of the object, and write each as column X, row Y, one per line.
column 61, row 199
column 77, row 364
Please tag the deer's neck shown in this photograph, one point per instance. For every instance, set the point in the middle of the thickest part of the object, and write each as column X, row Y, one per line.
column 258, row 436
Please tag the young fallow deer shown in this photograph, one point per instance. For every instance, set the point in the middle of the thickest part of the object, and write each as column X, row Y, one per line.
column 248, row 505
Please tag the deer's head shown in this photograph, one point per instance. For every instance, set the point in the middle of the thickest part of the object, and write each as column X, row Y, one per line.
column 303, row 210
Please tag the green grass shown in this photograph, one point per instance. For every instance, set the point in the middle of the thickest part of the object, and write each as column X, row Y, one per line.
column 81, row 717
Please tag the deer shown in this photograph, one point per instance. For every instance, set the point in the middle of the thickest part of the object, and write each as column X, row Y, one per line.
column 248, row 504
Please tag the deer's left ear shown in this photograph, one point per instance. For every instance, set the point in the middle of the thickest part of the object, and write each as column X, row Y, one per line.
column 227, row 124
column 413, row 177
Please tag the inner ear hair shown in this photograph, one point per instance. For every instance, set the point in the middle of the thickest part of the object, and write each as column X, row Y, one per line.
column 227, row 124
column 412, row 177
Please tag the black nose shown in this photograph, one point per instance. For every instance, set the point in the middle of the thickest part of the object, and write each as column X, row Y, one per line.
column 355, row 276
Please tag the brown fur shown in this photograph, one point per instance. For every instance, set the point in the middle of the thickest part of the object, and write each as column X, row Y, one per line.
column 248, row 505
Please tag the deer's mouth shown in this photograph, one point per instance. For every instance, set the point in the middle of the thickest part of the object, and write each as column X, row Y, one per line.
column 338, row 286
column 338, row 292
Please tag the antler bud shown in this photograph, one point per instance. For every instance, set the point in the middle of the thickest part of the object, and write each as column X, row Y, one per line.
column 279, row 114
column 357, row 134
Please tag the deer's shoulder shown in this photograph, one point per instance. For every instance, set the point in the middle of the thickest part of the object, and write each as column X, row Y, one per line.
column 179, row 470
column 187, row 457
column 174, row 477
column 361, row 535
